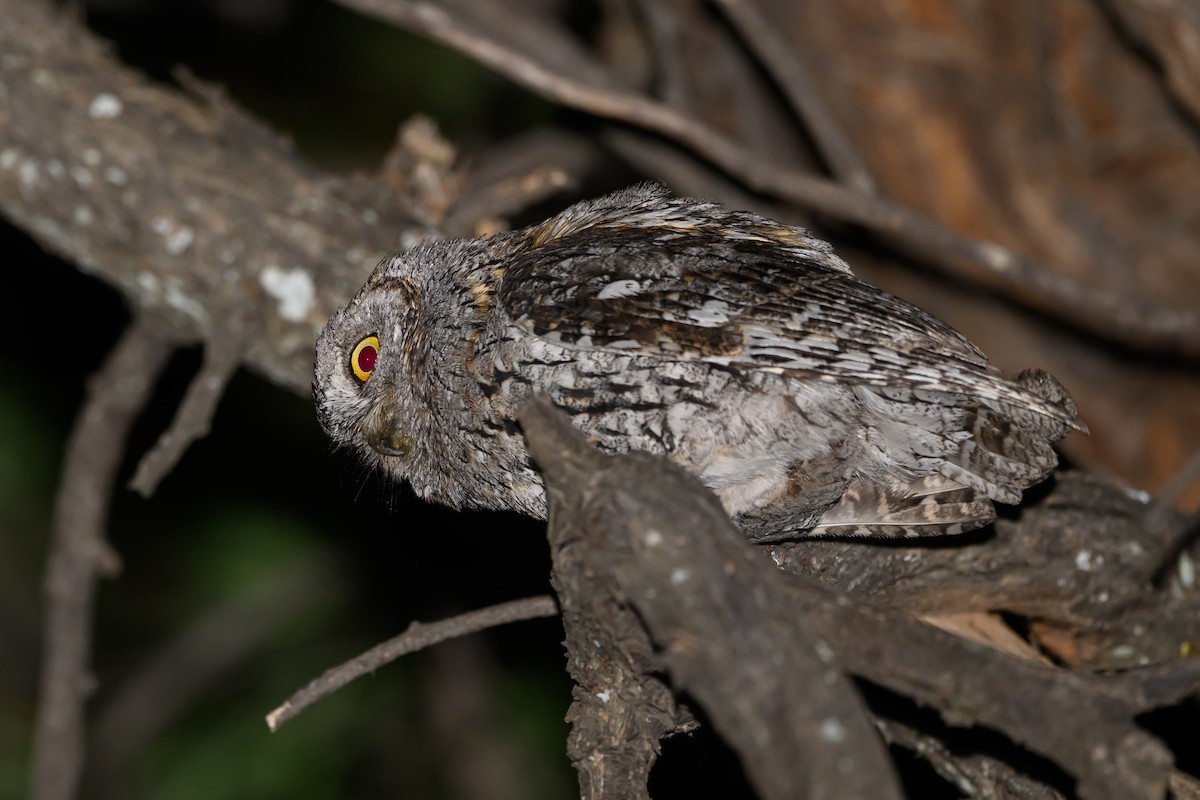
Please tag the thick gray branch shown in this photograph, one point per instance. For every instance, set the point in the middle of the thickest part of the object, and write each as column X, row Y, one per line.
column 740, row 636
column 631, row 534
column 187, row 205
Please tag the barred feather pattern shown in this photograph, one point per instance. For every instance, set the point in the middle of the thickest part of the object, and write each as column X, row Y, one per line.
column 745, row 350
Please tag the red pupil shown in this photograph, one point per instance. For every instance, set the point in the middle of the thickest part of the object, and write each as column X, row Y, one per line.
column 366, row 358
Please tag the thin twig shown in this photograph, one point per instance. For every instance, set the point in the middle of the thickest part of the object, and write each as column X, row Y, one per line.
column 79, row 553
column 665, row 30
column 1179, row 538
column 434, row 21
column 976, row 774
column 1168, row 30
column 1184, row 786
column 194, row 416
column 784, row 64
column 418, row 636
column 1123, row 319
column 681, row 169
column 509, row 177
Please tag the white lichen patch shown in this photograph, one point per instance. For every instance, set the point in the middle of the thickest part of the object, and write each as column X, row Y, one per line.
column 179, row 240
column 293, row 289
column 1186, row 571
column 1122, row 651
column 833, row 731
column 105, row 106
column 177, row 299
column 29, row 174
column 148, row 281
column 1139, row 495
column 997, row 257
column 176, row 237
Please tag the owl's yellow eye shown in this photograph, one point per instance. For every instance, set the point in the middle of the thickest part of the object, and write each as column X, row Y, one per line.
column 362, row 360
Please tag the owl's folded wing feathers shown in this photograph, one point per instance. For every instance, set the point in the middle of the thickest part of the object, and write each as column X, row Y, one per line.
column 747, row 302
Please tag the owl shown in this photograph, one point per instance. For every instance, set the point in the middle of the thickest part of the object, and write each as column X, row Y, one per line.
column 743, row 349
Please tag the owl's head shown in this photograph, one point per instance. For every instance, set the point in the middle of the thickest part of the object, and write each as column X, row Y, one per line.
column 387, row 361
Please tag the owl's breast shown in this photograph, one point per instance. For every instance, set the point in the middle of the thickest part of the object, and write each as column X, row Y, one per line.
column 740, row 431
column 472, row 453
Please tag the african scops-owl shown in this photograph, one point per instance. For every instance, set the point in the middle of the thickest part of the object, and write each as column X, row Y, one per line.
column 743, row 349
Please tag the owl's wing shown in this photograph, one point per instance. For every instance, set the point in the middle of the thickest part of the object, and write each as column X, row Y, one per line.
column 745, row 303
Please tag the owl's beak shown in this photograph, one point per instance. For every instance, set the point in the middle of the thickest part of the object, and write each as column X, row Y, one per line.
column 389, row 443
column 382, row 435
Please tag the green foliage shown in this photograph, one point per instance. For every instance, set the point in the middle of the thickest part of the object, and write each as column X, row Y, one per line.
column 226, row 752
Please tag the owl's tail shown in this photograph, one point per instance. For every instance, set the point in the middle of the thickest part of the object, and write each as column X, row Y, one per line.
column 1011, row 444
column 991, row 449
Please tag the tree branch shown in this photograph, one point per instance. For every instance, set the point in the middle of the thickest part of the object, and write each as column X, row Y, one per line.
column 1112, row 317
column 780, row 58
column 79, row 552
column 733, row 632
column 1170, row 29
column 189, row 207
column 416, row 637
column 222, row 356
column 624, row 533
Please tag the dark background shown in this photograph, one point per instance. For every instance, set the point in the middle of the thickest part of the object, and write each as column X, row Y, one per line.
column 262, row 528
column 265, row 491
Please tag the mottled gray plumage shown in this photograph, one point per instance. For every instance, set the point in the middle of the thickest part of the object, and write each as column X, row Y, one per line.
column 742, row 348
